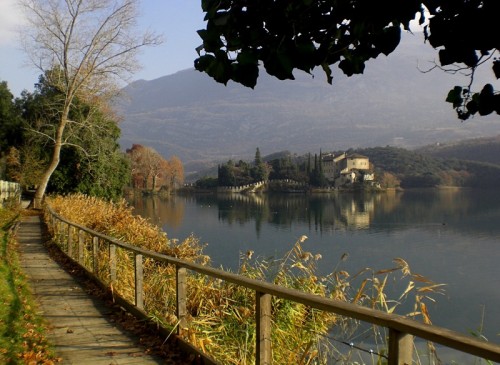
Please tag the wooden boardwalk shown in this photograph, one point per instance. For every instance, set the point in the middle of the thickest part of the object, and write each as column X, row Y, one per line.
column 82, row 327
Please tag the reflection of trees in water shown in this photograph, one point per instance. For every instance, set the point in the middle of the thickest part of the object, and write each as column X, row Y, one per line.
column 239, row 208
column 159, row 210
column 320, row 212
column 463, row 210
column 389, row 210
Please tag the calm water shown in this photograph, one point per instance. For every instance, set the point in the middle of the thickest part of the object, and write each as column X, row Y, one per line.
column 449, row 236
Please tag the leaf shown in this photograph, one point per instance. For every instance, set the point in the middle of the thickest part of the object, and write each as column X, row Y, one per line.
column 409, row 288
column 203, row 62
column 421, row 278
column 425, row 313
column 328, row 72
column 402, row 265
column 390, row 310
column 430, row 288
column 279, row 64
column 353, row 65
column 473, row 106
column 221, row 19
column 496, row 103
column 245, row 74
column 304, row 57
column 389, row 39
column 360, row 291
column 455, row 96
column 486, row 100
column 496, row 68
column 445, row 57
column 385, row 271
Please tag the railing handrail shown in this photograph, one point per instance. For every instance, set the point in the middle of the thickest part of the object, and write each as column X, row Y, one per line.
column 398, row 323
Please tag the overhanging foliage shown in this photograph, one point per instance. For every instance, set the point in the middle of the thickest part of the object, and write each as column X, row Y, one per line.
column 284, row 35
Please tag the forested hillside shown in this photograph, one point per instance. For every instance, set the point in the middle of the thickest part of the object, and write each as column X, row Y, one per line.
column 393, row 167
column 415, row 169
column 478, row 149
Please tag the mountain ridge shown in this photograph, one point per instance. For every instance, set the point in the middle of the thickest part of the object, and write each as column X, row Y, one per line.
column 393, row 103
column 485, row 150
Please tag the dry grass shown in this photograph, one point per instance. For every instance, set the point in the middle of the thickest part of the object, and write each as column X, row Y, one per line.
column 221, row 315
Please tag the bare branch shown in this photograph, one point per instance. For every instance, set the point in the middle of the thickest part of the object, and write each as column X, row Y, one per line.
column 83, row 47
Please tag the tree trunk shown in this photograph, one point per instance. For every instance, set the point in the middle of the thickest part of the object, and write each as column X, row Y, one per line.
column 154, row 184
column 54, row 162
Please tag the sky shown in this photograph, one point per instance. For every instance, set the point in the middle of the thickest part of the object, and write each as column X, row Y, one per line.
column 176, row 20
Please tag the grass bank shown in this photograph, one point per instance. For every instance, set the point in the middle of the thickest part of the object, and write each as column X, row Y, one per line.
column 22, row 330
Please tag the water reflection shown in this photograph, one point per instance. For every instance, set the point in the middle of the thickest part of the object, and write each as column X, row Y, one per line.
column 463, row 210
column 450, row 236
column 159, row 210
column 320, row 212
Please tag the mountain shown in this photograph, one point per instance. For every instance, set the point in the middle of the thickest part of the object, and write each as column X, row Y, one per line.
column 417, row 168
column 479, row 149
column 393, row 103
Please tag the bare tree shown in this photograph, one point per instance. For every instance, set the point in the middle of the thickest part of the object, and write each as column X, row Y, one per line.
column 155, row 165
column 176, row 172
column 82, row 47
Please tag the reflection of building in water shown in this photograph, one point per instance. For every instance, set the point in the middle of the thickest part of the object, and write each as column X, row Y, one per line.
column 356, row 218
column 358, row 212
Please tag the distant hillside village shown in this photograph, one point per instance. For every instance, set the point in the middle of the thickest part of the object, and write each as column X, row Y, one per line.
column 323, row 170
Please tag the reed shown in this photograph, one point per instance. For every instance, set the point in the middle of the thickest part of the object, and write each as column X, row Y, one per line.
column 221, row 315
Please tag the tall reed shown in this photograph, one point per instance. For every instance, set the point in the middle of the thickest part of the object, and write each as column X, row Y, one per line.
column 221, row 315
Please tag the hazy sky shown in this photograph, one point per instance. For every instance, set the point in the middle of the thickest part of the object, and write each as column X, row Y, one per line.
column 177, row 20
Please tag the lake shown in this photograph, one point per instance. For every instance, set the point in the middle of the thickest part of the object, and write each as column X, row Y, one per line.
column 451, row 236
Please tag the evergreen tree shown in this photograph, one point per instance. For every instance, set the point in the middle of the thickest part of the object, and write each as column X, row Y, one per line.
column 258, row 159
column 260, row 171
column 91, row 162
column 11, row 132
column 226, row 176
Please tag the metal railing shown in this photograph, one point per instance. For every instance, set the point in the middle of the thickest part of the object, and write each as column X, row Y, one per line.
column 402, row 330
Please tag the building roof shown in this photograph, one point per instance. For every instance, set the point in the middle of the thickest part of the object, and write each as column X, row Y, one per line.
column 356, row 155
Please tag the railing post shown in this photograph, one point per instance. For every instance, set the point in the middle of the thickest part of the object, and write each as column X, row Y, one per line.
column 263, row 355
column 400, row 348
column 58, row 229
column 95, row 255
column 181, row 291
column 51, row 223
column 64, row 231
column 139, row 279
column 81, row 246
column 61, row 234
column 112, row 262
column 70, row 241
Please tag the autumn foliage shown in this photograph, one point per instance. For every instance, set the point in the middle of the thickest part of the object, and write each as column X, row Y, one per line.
column 221, row 315
column 151, row 171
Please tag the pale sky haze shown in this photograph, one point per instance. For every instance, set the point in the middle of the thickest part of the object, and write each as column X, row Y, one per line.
column 177, row 20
